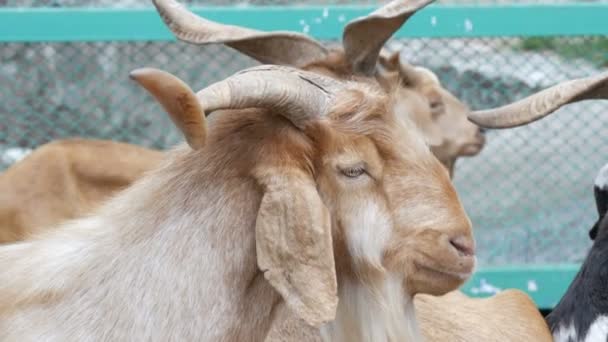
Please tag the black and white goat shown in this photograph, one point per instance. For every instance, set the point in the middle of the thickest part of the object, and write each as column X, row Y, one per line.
column 582, row 314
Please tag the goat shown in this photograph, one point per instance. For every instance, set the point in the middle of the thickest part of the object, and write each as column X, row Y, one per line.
column 582, row 313
column 303, row 190
column 455, row 317
column 65, row 179
column 442, row 118
column 440, row 115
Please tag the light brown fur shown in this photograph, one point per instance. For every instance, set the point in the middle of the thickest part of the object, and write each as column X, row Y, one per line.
column 508, row 316
column 65, row 179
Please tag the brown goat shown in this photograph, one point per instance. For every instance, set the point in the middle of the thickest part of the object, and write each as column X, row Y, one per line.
column 320, row 192
column 64, row 179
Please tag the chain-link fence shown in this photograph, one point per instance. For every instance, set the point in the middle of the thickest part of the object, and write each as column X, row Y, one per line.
column 528, row 193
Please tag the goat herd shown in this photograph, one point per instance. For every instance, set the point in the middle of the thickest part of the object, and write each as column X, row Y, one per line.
column 312, row 202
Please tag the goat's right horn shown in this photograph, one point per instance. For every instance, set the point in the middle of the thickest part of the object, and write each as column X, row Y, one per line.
column 283, row 48
column 543, row 103
column 179, row 102
column 297, row 95
column 364, row 37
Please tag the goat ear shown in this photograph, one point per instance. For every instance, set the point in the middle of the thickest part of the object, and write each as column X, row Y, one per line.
column 543, row 103
column 364, row 37
column 294, row 245
column 282, row 48
column 178, row 100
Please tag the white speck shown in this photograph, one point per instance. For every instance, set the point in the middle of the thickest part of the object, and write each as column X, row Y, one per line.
column 433, row 21
column 532, row 286
column 306, row 29
column 341, row 18
column 302, row 22
column 468, row 25
column 14, row 154
column 317, row 20
column 325, row 12
column 485, row 287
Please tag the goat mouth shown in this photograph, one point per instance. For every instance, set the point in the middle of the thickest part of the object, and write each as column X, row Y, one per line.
column 444, row 272
column 472, row 149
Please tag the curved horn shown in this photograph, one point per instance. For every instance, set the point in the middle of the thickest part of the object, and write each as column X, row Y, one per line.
column 364, row 37
column 283, row 48
column 179, row 102
column 297, row 95
column 543, row 103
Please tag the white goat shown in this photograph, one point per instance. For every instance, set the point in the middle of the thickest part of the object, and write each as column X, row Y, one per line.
column 307, row 190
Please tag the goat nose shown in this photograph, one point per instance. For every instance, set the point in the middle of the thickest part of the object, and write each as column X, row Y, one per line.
column 464, row 245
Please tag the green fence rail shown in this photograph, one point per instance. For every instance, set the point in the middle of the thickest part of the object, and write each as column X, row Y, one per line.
column 322, row 22
column 545, row 283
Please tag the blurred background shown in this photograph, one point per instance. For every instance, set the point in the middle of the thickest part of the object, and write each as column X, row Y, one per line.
column 528, row 193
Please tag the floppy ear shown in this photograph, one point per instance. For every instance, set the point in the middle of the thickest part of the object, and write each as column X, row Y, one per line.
column 283, row 48
column 543, row 103
column 294, row 244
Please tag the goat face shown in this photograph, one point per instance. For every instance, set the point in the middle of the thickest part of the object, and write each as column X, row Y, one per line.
column 439, row 114
column 392, row 205
column 349, row 190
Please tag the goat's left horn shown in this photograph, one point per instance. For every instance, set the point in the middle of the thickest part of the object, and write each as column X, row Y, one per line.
column 283, row 48
column 297, row 95
column 543, row 103
column 364, row 37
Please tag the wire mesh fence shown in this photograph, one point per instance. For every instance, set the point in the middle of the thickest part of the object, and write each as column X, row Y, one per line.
column 528, row 193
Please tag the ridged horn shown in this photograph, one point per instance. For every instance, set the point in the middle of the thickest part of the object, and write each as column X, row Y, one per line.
column 543, row 103
column 282, row 48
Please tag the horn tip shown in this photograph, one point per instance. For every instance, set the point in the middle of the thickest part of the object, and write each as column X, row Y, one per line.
column 142, row 73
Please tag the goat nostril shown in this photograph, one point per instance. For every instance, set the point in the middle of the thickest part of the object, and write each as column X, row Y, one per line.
column 482, row 130
column 465, row 246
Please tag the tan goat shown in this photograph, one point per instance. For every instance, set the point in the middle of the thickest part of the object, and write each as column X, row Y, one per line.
column 441, row 116
column 65, row 179
column 510, row 316
column 306, row 190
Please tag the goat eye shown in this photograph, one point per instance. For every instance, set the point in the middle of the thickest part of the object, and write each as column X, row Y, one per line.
column 353, row 172
column 436, row 106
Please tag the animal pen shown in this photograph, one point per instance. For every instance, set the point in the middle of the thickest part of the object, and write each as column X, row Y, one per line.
column 65, row 66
